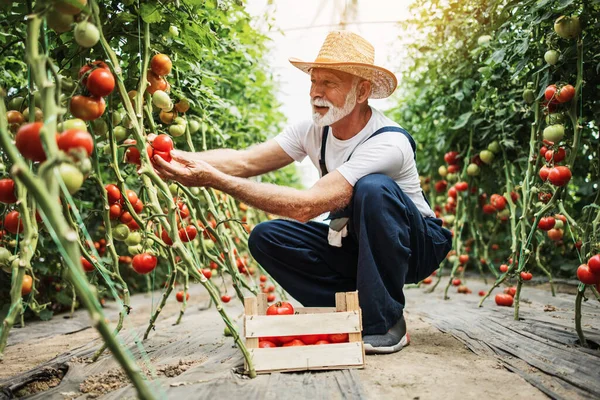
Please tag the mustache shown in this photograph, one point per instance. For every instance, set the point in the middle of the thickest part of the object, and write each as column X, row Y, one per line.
column 319, row 102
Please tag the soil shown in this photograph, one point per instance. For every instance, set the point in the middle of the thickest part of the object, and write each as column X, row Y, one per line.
column 435, row 365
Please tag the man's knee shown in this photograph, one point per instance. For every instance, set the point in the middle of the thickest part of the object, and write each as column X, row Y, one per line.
column 369, row 189
column 257, row 238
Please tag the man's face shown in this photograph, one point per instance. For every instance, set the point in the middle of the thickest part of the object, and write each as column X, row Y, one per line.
column 332, row 95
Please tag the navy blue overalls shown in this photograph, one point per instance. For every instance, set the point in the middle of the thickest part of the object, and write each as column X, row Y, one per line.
column 389, row 243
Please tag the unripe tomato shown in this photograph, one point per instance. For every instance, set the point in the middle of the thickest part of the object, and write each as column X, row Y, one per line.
column 505, row 300
column 7, row 191
column 161, row 64
column 120, row 133
column 182, row 106
column 67, row 8
column 179, row 296
column 528, row 96
column 26, row 285
column 162, row 100
column 486, row 156
column 59, row 22
column 100, row 82
column 13, row 222
column 29, row 142
column 86, row 34
column 551, row 57
column 554, row 133
column 133, row 239
column 155, row 82
column 121, row 232
column 473, row 169
column 71, row 176
column 75, row 138
column 144, row 263
column 194, row 126
column 567, row 27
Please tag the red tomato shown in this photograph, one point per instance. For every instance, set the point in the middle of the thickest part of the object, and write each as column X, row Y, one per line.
column 13, row 222
column 87, row 266
column 207, row 272
column 144, row 263
column 213, row 265
column 461, row 186
column 544, row 172
column 441, row 186
column 188, row 234
column 161, row 64
column 488, row 209
column 75, row 138
column 558, row 156
column 514, row 196
column 225, row 298
column 7, row 191
column 133, row 226
column 544, row 197
column 138, row 206
column 113, row 193
column 456, row 282
column 512, row 291
column 263, row 278
column 555, row 234
column 452, row 193
column 87, row 108
column 565, row 94
column 503, row 268
column 499, row 202
column 165, row 238
column 155, row 82
column 126, row 217
column 280, row 308
column 505, row 300
column 319, row 342
column 293, row 343
column 184, row 211
column 265, row 344
column 131, row 196
column 271, row 298
column 132, row 155
column 88, row 67
column 311, row 339
column 550, row 94
column 463, row 258
column 546, row 223
column 338, row 337
column 451, row 157
column 427, row 280
column 526, row 276
column 165, row 155
column 100, row 82
column 482, row 293
column 163, row 143
column 29, row 142
column 115, row 211
column 179, row 296
column 454, row 168
column 561, row 217
column 586, row 276
column 559, row 176
column 594, row 264
column 543, row 151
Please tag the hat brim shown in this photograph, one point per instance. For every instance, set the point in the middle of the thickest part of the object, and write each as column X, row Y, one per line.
column 383, row 82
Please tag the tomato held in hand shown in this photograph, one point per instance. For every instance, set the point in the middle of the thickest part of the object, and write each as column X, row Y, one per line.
column 75, row 138
column 280, row 308
column 100, row 82
column 505, row 300
column 7, row 191
column 144, row 263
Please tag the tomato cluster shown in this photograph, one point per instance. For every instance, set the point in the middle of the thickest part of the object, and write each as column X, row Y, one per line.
column 285, row 308
column 118, row 207
column 98, row 81
column 589, row 273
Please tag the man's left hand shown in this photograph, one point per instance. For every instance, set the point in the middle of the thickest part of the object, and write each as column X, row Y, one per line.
column 185, row 171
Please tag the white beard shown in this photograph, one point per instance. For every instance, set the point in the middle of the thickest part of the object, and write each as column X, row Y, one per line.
column 334, row 114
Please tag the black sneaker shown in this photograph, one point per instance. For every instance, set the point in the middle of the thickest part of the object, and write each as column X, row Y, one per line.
column 394, row 340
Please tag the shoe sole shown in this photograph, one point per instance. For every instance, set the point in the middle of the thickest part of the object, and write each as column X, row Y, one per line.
column 390, row 349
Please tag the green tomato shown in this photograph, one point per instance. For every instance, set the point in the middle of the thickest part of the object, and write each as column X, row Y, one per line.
column 67, row 86
column 484, row 40
column 555, row 118
column 453, row 259
column 120, row 232
column 528, row 96
column 173, row 188
column 74, row 123
column 440, row 199
column 494, row 147
column 486, row 156
column 443, row 171
column 17, row 103
column 473, row 169
column 162, row 100
column 173, row 31
column 452, row 177
column 194, row 126
column 554, row 133
column 39, row 115
column 117, row 117
column 120, row 133
column 551, row 57
column 148, row 243
column 100, row 127
column 86, row 34
column 133, row 239
column 5, row 255
column 176, row 130
column 209, row 244
column 135, row 250
column 72, row 177
column 567, row 27
column 2, row 167
column 227, row 331
column 558, row 224
column 195, row 191
column 180, row 121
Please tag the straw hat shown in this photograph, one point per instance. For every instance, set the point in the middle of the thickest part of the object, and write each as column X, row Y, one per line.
column 346, row 51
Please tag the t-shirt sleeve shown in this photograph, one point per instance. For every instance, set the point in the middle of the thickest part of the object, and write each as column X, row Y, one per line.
column 375, row 156
column 292, row 140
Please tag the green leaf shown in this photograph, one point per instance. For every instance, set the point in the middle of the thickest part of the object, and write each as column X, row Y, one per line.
column 150, row 13
column 45, row 314
column 462, row 120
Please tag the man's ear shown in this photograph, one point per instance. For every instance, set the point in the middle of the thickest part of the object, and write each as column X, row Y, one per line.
column 364, row 91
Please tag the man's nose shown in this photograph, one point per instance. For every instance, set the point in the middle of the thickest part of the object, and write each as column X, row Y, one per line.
column 316, row 91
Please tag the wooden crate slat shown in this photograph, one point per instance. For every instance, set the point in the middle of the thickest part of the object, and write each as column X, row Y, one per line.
column 314, row 310
column 301, row 324
column 352, row 305
column 300, row 358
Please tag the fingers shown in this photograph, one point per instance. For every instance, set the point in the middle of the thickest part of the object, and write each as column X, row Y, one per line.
column 183, row 157
column 172, row 167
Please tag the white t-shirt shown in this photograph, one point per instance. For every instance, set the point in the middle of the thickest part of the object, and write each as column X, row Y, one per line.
column 388, row 153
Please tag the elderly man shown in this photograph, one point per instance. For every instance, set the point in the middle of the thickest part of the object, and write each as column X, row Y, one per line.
column 383, row 233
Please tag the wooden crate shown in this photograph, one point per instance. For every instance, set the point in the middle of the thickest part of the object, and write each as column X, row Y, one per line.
column 345, row 317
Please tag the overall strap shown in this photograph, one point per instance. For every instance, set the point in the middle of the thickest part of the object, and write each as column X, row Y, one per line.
column 323, row 145
column 413, row 145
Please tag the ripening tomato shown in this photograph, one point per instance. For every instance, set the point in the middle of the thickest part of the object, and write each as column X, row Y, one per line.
column 225, row 298
column 161, row 64
column 265, row 344
column 29, row 142
column 100, row 82
column 13, row 222
column 87, row 266
column 144, row 263
column 75, row 138
column 555, row 234
column 179, row 296
column 280, row 308
column 26, row 285
column 155, row 82
column 594, row 264
column 565, row 94
column 113, row 193
column 559, row 176
column 586, row 276
column 526, row 276
column 7, row 191
column 505, row 300
column 188, row 234
column 546, row 223
column 87, row 108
